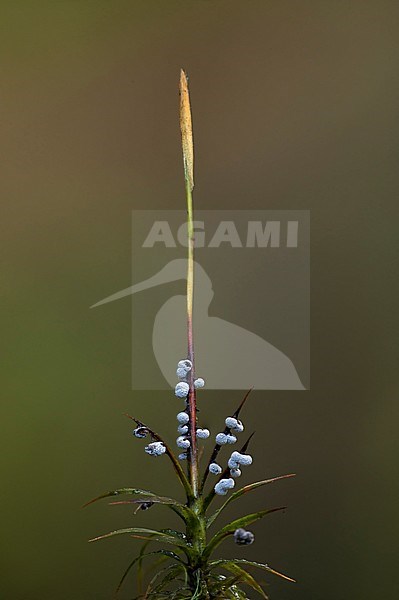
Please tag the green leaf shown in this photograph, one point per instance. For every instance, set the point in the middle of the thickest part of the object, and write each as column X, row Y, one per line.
column 152, row 534
column 167, row 553
column 183, row 511
column 121, row 492
column 177, row 534
column 245, row 490
column 140, row 574
column 231, row 527
column 223, row 587
column 243, row 576
column 150, row 498
column 250, row 563
column 173, row 571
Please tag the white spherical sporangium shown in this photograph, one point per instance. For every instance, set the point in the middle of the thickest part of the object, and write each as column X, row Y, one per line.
column 235, row 473
column 221, row 439
column 155, row 449
column 182, row 442
column 234, row 424
column 185, row 364
column 181, row 372
column 223, row 486
column 241, row 459
column 215, row 469
column 183, row 418
column 203, row 434
column 232, row 464
column 182, row 389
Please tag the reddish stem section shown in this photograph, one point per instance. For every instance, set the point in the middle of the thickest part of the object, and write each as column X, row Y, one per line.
column 192, row 409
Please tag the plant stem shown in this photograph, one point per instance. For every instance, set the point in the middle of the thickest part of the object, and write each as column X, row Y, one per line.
column 192, row 401
column 188, row 161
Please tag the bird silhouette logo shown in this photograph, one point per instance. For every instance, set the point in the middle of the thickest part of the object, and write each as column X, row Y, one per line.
column 230, row 356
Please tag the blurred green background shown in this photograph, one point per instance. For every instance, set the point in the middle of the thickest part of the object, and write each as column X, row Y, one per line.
column 295, row 107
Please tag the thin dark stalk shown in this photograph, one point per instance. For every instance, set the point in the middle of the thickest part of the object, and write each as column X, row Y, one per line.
column 176, row 465
column 208, row 499
column 217, row 447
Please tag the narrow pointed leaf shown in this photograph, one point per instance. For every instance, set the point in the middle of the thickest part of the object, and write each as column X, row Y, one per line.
column 177, row 534
column 155, row 565
column 231, row 590
column 153, row 534
column 121, row 492
column 183, row 511
column 146, row 496
column 167, row 553
column 243, row 401
column 140, row 575
column 245, row 490
column 243, row 576
column 173, row 571
column 151, row 590
column 250, row 563
column 150, row 498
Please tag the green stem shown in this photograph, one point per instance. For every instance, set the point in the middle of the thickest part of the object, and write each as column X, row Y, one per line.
column 197, row 536
column 192, row 401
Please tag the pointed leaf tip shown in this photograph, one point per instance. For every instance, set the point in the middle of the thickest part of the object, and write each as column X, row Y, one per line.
column 237, row 412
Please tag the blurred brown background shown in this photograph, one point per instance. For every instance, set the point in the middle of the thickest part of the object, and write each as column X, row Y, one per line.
column 295, row 106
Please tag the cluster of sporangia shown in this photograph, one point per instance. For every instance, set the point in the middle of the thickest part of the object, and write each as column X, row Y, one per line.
column 233, row 426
